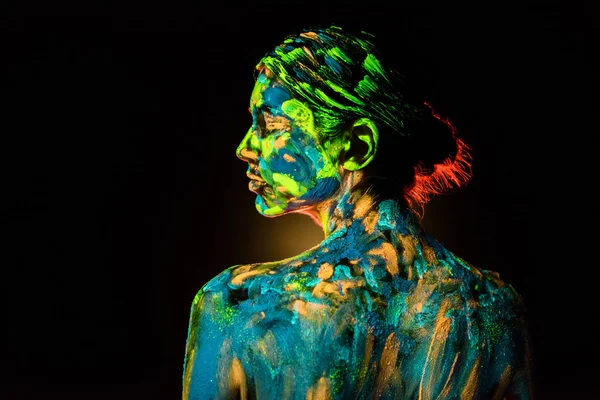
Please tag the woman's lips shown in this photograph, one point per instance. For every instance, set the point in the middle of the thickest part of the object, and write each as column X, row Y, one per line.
column 256, row 186
column 257, row 183
column 253, row 173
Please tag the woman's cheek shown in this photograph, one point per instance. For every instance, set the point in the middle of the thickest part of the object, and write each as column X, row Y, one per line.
column 291, row 169
column 288, row 186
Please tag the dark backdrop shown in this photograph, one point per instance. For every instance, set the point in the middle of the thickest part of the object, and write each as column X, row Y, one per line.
column 123, row 195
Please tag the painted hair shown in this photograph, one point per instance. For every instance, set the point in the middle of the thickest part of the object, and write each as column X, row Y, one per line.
column 340, row 77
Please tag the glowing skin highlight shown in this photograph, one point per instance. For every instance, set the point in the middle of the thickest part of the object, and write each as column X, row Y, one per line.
column 379, row 309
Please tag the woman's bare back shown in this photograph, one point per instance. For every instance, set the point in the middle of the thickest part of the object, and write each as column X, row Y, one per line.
column 374, row 311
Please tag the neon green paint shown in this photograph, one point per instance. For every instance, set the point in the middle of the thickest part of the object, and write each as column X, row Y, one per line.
column 366, row 86
column 274, row 210
column 323, row 96
column 345, row 93
column 372, row 65
column 338, row 54
column 284, row 180
column 301, row 114
column 256, row 99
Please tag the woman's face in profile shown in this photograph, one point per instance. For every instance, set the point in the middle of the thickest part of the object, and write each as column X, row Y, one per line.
column 290, row 169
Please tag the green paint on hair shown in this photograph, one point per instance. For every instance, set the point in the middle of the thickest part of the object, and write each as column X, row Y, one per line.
column 373, row 65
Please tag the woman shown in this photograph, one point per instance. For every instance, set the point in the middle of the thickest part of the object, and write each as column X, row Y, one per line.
column 379, row 309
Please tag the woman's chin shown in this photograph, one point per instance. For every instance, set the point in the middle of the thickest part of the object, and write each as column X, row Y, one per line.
column 267, row 208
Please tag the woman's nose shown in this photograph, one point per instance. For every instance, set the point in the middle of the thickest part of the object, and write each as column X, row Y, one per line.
column 246, row 151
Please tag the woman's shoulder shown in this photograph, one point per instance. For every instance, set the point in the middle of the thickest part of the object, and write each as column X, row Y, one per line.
column 479, row 290
column 490, row 297
column 227, row 286
column 474, row 281
column 491, row 289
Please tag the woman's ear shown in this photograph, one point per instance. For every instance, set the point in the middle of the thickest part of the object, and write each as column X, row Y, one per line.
column 361, row 146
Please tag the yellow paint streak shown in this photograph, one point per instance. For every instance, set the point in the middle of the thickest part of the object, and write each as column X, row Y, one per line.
column 323, row 288
column 237, row 380
column 350, row 284
column 320, row 390
column 255, row 319
column 241, row 273
column 366, row 358
column 309, row 54
column 336, row 290
column 429, row 255
column 389, row 374
column 268, row 348
column 268, row 73
column 288, row 158
column 311, row 35
column 311, row 311
column 389, row 254
column 188, row 374
column 370, row 221
column 239, row 279
column 292, row 287
column 280, row 142
column 362, row 206
column 447, row 387
column 418, row 299
column 276, row 123
column 409, row 246
column 325, row 271
column 312, row 74
column 505, row 379
column 469, row 389
column 435, row 354
column 224, row 364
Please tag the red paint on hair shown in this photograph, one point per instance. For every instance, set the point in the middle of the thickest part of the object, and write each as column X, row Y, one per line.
column 453, row 172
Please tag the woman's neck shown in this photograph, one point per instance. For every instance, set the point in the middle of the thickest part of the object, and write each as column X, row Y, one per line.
column 356, row 205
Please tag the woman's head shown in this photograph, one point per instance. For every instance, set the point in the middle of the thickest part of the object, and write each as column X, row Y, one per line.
column 292, row 166
column 323, row 105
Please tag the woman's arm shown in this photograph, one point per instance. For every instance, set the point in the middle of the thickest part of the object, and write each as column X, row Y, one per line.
column 211, row 371
column 521, row 386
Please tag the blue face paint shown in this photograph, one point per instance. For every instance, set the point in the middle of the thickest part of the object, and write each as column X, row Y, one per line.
column 300, row 170
column 273, row 97
column 324, row 189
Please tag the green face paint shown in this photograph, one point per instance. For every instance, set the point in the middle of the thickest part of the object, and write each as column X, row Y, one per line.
column 291, row 166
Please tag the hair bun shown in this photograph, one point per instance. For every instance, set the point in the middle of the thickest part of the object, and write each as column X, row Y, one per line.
column 442, row 160
column 432, row 141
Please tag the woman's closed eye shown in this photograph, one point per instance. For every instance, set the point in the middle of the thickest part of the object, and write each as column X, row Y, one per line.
column 267, row 123
column 276, row 123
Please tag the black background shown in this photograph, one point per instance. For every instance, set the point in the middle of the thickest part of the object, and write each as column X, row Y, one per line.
column 123, row 195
